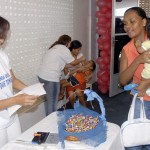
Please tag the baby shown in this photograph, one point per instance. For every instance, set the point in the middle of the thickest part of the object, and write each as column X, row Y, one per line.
column 82, row 74
column 142, row 47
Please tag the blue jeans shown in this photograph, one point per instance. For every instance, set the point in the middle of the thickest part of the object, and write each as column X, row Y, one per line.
column 137, row 115
column 52, row 90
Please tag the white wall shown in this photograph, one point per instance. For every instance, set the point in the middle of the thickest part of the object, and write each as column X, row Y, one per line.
column 93, row 38
column 81, row 26
column 84, row 27
column 35, row 25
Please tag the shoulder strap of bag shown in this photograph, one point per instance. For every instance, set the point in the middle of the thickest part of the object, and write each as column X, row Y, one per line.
column 142, row 113
column 132, row 108
column 90, row 96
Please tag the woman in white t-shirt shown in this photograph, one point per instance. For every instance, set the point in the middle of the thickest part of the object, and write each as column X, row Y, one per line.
column 55, row 60
column 9, row 125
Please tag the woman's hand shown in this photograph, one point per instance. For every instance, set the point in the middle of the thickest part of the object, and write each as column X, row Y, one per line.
column 88, row 78
column 81, row 69
column 144, row 57
column 143, row 86
column 21, row 99
column 25, row 99
column 82, row 59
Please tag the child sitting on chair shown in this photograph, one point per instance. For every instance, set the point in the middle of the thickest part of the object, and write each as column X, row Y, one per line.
column 77, row 76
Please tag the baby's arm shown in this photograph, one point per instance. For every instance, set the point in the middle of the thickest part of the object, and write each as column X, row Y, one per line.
column 83, row 61
column 146, row 45
column 139, row 47
column 88, row 77
column 146, row 71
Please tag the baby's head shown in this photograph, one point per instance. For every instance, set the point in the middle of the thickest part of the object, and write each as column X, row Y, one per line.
column 90, row 64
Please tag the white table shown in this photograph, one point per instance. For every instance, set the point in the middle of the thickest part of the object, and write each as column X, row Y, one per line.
column 49, row 124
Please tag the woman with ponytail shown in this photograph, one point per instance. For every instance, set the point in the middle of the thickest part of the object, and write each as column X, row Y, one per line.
column 55, row 60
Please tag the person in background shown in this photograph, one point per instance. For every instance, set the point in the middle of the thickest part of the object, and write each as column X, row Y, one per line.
column 72, row 92
column 55, row 60
column 136, row 24
column 9, row 125
column 76, row 77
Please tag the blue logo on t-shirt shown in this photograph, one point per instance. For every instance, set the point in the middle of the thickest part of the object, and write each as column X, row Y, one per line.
column 5, row 80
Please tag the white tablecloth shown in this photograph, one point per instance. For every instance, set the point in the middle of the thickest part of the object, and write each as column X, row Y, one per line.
column 49, row 124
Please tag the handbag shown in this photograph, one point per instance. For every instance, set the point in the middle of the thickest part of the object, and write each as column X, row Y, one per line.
column 136, row 131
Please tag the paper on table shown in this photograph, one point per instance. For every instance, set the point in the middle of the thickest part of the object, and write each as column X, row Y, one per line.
column 36, row 89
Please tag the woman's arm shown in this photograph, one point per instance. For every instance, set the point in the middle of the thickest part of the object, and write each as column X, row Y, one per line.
column 68, row 72
column 77, row 69
column 75, row 62
column 17, row 84
column 143, row 86
column 126, row 72
column 22, row 99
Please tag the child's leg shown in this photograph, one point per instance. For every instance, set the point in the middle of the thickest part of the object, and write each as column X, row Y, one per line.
column 80, row 95
column 63, row 84
column 71, row 98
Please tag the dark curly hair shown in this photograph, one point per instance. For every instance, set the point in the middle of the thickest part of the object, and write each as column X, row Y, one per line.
column 75, row 44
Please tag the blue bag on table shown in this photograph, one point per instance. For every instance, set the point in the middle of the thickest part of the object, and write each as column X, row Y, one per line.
column 93, row 137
